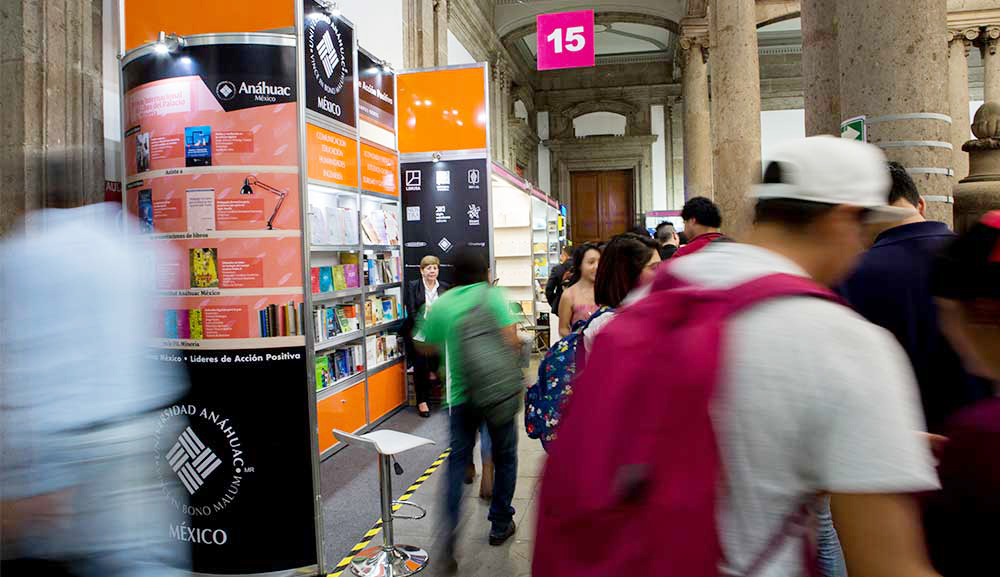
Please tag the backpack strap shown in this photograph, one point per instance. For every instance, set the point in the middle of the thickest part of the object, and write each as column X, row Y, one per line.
column 775, row 286
column 798, row 524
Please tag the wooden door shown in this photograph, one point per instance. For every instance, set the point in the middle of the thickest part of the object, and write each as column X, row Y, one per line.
column 601, row 204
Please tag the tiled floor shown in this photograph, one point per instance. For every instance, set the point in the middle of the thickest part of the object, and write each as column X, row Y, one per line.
column 476, row 558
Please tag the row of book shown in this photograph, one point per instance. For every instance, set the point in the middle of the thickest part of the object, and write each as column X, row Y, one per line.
column 380, row 227
column 339, row 364
column 382, row 269
column 334, row 278
column 334, row 320
column 381, row 348
column 183, row 324
column 333, row 225
column 382, row 309
column 282, row 320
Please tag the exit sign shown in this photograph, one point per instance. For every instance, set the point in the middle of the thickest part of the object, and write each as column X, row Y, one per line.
column 565, row 40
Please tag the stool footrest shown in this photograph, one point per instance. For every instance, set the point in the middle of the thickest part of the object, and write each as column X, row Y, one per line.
column 423, row 512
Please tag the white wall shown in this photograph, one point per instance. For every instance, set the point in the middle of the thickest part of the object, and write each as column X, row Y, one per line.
column 378, row 26
column 544, row 156
column 457, row 54
column 777, row 126
column 599, row 123
column 656, row 113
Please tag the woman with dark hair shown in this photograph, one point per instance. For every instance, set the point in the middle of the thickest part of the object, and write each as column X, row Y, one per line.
column 628, row 261
column 577, row 301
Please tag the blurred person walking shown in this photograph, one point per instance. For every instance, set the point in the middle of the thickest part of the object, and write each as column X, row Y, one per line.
column 473, row 326
column 891, row 288
column 961, row 519
column 577, row 301
column 793, row 416
column 421, row 294
column 79, row 404
column 702, row 222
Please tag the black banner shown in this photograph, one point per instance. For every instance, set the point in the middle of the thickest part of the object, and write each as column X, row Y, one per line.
column 377, row 93
column 238, row 75
column 240, row 465
column 445, row 206
column 329, row 53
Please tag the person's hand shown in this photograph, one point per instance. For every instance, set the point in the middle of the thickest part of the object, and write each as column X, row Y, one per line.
column 937, row 444
column 38, row 513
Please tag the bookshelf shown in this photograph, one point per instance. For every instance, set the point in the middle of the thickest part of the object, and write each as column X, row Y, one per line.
column 354, row 232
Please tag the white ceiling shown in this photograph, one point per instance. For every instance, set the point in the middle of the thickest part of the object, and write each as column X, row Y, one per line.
column 619, row 38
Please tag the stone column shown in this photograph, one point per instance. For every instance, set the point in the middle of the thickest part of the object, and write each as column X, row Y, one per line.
column 668, row 152
column 820, row 67
column 419, row 34
column 959, row 43
column 991, row 63
column 441, row 32
column 905, row 97
column 736, row 97
column 697, row 124
column 52, row 118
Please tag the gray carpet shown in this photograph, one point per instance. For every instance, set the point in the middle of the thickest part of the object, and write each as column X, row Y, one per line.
column 349, row 482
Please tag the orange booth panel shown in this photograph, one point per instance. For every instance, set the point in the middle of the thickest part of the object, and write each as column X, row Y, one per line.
column 332, row 157
column 440, row 110
column 379, row 170
column 144, row 19
column 386, row 391
column 344, row 410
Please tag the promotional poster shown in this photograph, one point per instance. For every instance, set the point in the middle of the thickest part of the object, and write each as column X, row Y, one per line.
column 445, row 206
column 377, row 93
column 329, row 54
column 212, row 174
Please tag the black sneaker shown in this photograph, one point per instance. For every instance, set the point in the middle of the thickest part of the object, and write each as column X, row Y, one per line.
column 448, row 561
column 498, row 536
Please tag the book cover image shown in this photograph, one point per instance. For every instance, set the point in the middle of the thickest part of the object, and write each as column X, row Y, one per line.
column 170, row 324
column 387, row 312
column 314, row 279
column 322, row 372
column 197, row 325
column 325, row 279
column 204, row 267
column 198, row 146
column 146, row 210
column 351, row 276
column 200, row 209
column 142, row 152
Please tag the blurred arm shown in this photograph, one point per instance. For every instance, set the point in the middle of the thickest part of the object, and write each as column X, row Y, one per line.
column 881, row 535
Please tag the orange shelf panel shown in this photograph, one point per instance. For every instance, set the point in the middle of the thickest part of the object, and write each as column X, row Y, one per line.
column 386, row 391
column 344, row 410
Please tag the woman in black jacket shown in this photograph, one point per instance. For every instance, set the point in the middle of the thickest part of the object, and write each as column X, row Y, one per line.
column 420, row 296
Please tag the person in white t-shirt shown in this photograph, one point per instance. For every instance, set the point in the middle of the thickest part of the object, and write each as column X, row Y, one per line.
column 815, row 400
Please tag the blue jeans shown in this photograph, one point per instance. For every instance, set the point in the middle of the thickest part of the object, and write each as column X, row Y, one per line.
column 830, row 557
column 485, row 446
column 465, row 422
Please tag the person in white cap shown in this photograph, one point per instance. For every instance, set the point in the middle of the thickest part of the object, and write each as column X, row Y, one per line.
column 814, row 399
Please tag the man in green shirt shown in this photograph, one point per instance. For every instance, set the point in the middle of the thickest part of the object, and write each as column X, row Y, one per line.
column 441, row 330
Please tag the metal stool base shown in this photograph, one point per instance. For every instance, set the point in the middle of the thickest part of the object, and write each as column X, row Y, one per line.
column 400, row 561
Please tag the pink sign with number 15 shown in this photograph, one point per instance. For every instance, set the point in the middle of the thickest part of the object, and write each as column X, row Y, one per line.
column 566, row 40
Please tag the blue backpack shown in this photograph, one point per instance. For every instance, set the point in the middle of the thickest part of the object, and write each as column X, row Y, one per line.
column 544, row 400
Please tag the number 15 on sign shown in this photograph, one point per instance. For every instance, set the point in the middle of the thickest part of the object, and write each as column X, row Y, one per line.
column 565, row 40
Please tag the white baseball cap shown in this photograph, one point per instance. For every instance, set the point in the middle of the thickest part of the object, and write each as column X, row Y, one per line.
column 834, row 170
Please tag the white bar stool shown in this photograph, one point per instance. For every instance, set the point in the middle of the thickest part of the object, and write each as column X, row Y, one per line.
column 389, row 559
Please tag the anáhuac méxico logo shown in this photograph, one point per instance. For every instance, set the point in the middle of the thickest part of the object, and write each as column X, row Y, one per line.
column 327, row 57
column 202, row 466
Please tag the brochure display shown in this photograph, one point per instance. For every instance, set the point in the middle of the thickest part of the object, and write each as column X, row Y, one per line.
column 211, row 164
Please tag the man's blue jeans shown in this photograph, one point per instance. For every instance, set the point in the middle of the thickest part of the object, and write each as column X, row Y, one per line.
column 465, row 422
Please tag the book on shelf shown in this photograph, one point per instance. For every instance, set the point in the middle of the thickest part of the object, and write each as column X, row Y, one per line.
column 370, row 352
column 351, row 313
column 388, row 310
column 317, row 225
column 339, row 279
column 391, row 227
column 314, row 279
column 323, row 379
column 325, row 279
column 351, row 276
column 342, row 321
column 369, row 313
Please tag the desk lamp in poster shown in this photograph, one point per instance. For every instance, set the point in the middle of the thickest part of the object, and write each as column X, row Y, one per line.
column 446, row 206
column 329, row 54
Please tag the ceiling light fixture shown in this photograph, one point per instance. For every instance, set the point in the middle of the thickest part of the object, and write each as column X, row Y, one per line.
column 168, row 43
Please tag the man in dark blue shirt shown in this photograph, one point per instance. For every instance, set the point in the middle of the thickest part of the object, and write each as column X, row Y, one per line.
column 891, row 288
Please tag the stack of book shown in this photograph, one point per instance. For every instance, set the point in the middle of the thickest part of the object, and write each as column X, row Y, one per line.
column 281, row 320
column 334, row 320
column 341, row 363
column 183, row 324
column 382, row 268
column 382, row 309
column 334, row 278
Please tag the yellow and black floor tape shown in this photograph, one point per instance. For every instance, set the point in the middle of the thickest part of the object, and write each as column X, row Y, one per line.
column 377, row 528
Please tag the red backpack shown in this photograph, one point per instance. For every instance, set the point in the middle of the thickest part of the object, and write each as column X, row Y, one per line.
column 630, row 484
